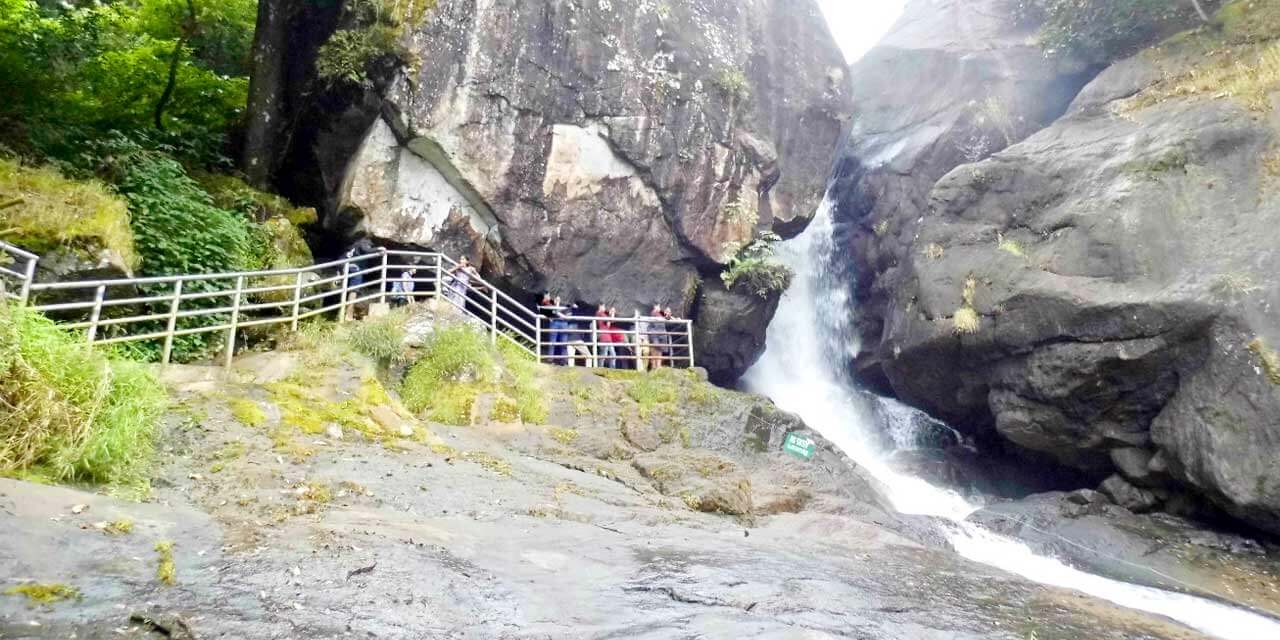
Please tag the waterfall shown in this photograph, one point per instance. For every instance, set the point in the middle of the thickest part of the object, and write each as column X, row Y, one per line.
column 804, row 371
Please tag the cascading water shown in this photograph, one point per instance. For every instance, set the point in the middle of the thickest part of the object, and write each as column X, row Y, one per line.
column 803, row 370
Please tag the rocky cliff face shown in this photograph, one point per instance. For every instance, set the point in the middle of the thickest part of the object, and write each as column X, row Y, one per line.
column 1101, row 293
column 609, row 151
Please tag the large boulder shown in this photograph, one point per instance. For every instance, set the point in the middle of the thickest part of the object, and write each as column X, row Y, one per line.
column 613, row 152
column 1105, row 287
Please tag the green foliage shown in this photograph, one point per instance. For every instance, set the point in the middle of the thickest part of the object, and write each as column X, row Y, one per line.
column 380, row 338
column 656, row 390
column 55, row 212
column 74, row 72
column 757, row 269
column 456, row 362
column 1103, row 29
column 523, row 373
column 353, row 54
column 70, row 411
column 733, row 84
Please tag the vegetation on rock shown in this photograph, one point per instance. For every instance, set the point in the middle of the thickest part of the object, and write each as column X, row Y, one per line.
column 45, row 211
column 1104, row 29
column 756, row 269
column 44, row 593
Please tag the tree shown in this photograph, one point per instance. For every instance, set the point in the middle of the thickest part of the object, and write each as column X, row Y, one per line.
column 266, row 90
column 189, row 28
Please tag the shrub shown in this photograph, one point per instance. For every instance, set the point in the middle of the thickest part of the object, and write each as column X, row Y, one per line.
column 455, row 364
column 733, row 84
column 353, row 54
column 757, row 269
column 52, row 211
column 69, row 412
column 381, row 339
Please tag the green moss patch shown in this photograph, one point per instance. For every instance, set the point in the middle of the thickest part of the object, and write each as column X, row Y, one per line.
column 166, row 570
column 42, row 211
column 458, row 364
column 44, row 593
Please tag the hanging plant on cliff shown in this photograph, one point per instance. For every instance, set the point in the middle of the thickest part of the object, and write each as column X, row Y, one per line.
column 757, row 270
column 354, row 54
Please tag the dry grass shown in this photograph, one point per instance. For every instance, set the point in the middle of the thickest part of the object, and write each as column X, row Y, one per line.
column 1246, row 73
column 934, row 251
column 966, row 321
column 55, row 212
column 1269, row 360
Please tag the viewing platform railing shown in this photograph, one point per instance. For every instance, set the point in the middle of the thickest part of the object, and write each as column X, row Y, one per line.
column 164, row 308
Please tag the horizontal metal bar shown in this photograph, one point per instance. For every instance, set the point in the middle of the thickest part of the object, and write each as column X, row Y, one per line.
column 18, row 252
column 20, row 276
column 46, row 286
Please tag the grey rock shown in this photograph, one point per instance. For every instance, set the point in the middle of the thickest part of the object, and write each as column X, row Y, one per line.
column 617, row 155
column 727, row 336
column 1121, row 261
column 1128, row 496
column 1086, row 497
column 1134, row 465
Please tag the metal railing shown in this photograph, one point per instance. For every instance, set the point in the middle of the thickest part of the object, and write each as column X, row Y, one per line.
column 168, row 307
column 17, row 272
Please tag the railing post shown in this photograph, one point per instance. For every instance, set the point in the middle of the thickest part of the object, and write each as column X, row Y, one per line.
column 346, row 277
column 594, row 360
column 235, row 319
column 25, row 293
column 493, row 314
column 439, row 276
column 688, row 338
column 382, row 284
column 97, row 312
column 173, row 322
column 537, row 338
column 297, row 301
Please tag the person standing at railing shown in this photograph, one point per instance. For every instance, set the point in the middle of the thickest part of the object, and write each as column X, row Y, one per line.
column 621, row 349
column 641, row 341
column 658, row 339
column 353, row 279
column 606, row 354
column 551, row 313
column 460, row 282
column 402, row 289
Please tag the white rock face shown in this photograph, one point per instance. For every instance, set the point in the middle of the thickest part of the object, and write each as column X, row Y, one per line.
column 403, row 195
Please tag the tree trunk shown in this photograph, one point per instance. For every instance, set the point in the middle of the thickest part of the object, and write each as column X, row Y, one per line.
column 188, row 31
column 265, row 109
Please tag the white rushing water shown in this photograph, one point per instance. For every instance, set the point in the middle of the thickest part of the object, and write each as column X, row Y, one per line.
column 803, row 370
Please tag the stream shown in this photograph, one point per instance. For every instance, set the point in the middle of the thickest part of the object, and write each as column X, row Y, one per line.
column 803, row 370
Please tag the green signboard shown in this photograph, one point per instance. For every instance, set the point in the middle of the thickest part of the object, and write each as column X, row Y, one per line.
column 800, row 446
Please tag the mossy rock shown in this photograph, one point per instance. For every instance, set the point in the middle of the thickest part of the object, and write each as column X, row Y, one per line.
column 79, row 225
column 230, row 192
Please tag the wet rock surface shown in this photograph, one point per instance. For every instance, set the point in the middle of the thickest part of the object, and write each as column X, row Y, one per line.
column 1097, row 294
column 504, row 530
column 1090, row 532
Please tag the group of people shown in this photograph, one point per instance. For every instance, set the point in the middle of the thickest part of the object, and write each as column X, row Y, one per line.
column 605, row 340
column 570, row 333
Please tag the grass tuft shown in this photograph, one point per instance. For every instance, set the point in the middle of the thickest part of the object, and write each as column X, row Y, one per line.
column 69, row 410
column 381, row 339
column 456, row 363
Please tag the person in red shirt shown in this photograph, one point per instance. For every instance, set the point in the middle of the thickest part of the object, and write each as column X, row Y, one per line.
column 606, row 356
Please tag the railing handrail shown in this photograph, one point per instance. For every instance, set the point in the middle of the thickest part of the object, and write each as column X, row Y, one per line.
column 522, row 326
